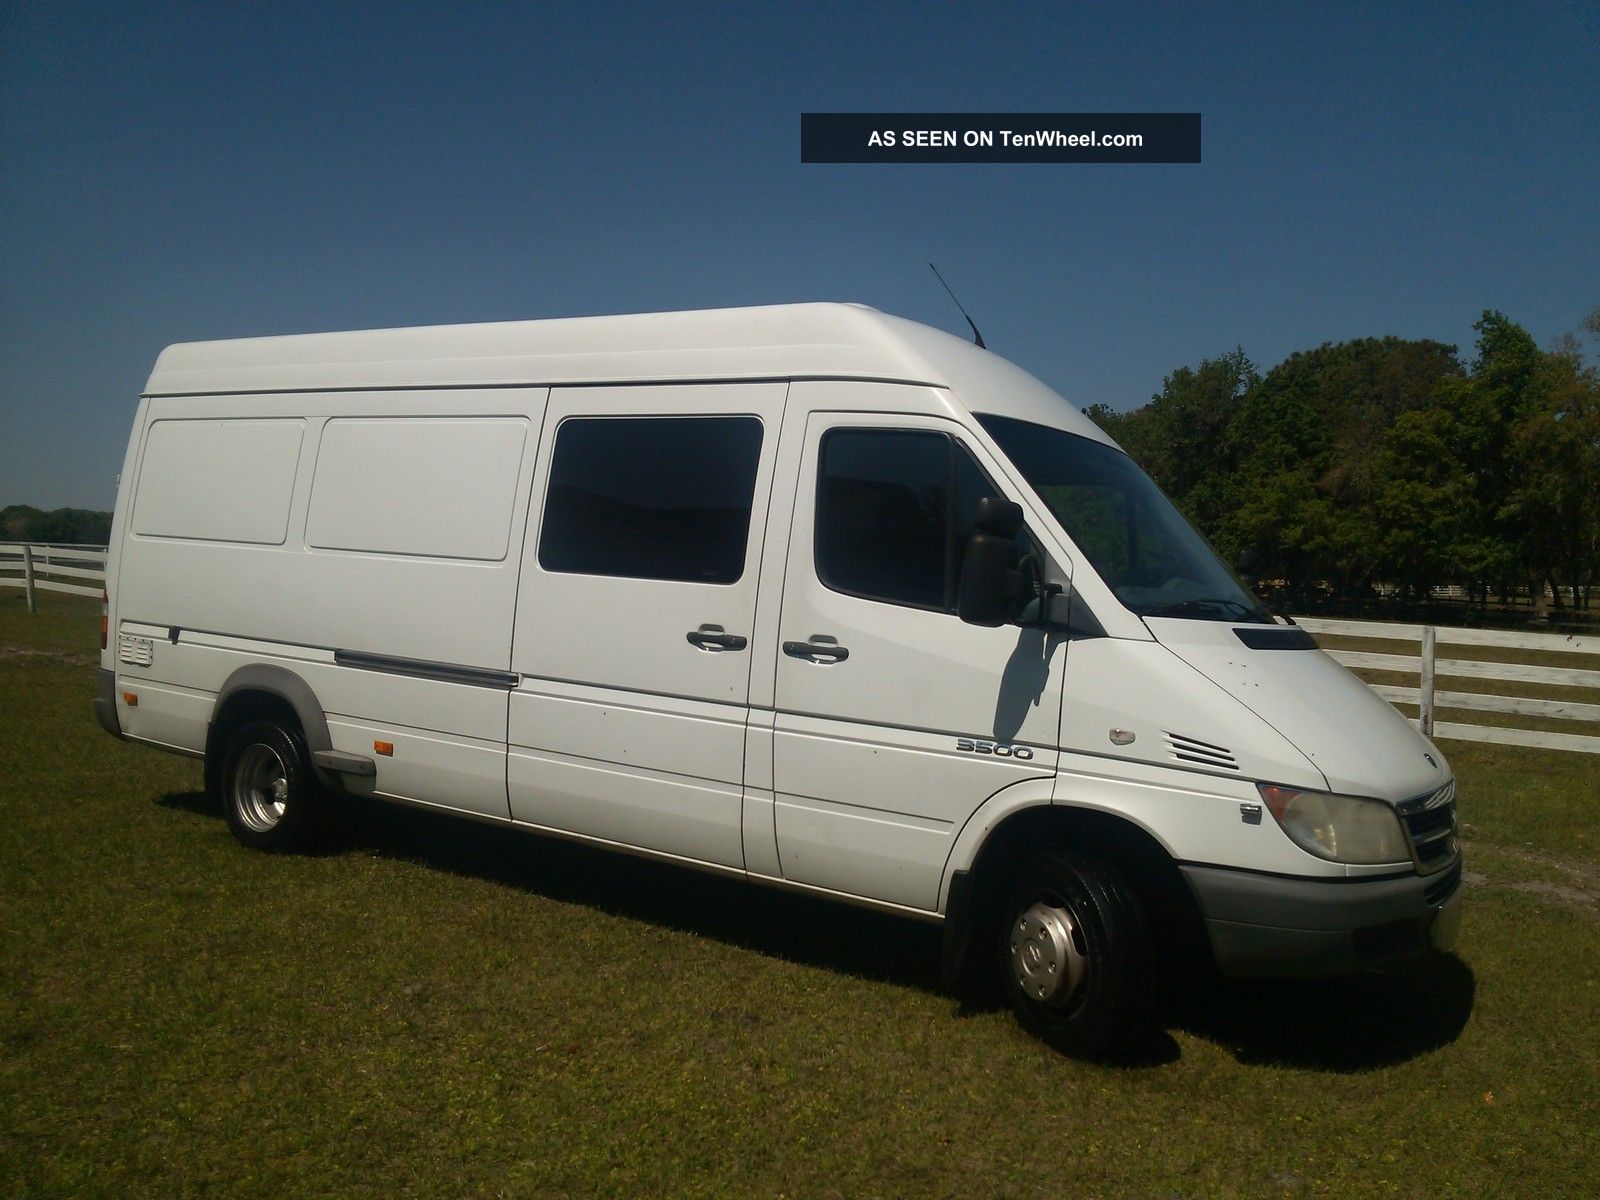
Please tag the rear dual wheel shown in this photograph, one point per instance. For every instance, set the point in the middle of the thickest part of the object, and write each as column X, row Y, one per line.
column 1077, row 957
column 269, row 790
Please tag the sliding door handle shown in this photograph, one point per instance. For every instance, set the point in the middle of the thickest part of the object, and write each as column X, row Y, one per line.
column 715, row 639
column 817, row 650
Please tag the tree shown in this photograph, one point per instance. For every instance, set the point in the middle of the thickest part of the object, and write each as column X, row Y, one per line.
column 1109, row 420
column 1306, row 440
column 1553, row 499
column 1426, row 519
column 24, row 523
column 1182, row 435
column 1382, row 459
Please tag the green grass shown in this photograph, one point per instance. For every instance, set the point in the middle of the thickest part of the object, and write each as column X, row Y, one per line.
column 438, row 1009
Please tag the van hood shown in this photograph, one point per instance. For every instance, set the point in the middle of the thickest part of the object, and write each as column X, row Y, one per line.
column 1360, row 743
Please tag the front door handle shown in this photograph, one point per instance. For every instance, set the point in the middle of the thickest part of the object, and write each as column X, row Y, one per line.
column 818, row 650
column 716, row 639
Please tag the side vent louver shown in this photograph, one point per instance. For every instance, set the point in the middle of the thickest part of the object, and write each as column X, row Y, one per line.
column 1187, row 749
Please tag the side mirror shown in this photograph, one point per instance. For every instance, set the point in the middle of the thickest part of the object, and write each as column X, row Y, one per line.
column 1000, row 517
column 990, row 588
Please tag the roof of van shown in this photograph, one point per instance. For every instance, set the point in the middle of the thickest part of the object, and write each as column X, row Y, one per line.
column 783, row 341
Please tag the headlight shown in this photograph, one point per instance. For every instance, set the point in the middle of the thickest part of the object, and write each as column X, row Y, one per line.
column 1345, row 829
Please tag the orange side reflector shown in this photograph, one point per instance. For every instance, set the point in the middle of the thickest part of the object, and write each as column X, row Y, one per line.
column 384, row 748
column 131, row 699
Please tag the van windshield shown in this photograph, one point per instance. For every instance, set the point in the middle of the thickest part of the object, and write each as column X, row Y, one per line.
column 1136, row 539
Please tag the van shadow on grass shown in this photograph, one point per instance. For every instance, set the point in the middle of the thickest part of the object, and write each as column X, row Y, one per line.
column 782, row 924
column 1375, row 1019
column 1371, row 1020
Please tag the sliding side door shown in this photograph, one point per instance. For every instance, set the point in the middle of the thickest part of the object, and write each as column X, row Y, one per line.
column 635, row 612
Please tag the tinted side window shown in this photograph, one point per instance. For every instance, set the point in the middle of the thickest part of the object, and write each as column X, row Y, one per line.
column 886, row 526
column 651, row 498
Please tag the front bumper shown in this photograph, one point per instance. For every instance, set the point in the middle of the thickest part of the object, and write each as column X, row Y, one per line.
column 1269, row 926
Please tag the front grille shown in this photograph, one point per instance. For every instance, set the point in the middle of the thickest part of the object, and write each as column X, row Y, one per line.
column 1440, row 887
column 1431, row 825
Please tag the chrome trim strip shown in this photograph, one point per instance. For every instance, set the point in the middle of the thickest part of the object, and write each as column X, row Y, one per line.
column 1428, row 800
column 421, row 669
column 1424, row 807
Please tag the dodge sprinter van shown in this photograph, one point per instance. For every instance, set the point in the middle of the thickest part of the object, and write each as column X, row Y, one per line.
column 809, row 595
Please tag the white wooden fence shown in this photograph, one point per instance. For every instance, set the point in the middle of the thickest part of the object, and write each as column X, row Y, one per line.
column 1427, row 667
column 44, row 567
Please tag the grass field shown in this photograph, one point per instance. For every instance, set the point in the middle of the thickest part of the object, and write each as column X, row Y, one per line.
column 440, row 1009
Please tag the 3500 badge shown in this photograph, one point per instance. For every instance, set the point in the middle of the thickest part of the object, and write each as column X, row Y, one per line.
column 998, row 749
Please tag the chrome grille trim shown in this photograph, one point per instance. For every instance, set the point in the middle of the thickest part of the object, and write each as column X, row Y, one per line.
column 1434, row 799
column 1433, row 829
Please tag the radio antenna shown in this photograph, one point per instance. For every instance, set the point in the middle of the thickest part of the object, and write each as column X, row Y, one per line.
column 976, row 336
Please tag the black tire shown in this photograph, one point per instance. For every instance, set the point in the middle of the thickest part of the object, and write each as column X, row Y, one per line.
column 269, row 790
column 1098, row 999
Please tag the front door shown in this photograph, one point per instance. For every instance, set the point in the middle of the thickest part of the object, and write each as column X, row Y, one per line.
column 634, row 615
column 894, row 719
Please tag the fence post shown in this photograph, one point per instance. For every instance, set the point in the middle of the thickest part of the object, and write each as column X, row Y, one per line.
column 27, row 574
column 1427, row 680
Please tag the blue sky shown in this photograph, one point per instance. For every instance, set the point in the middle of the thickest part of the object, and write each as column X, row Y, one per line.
column 172, row 173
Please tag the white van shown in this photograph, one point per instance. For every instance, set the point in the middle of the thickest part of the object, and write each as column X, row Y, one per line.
column 809, row 595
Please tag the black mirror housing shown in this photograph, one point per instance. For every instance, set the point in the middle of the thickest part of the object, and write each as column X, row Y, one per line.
column 1000, row 517
column 990, row 587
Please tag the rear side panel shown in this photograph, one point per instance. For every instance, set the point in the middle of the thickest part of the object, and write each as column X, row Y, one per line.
column 119, row 529
column 398, row 577
column 366, row 542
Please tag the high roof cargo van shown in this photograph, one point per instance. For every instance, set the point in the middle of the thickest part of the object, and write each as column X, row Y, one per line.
column 808, row 595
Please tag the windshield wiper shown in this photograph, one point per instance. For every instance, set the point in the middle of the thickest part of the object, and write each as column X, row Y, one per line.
column 1214, row 608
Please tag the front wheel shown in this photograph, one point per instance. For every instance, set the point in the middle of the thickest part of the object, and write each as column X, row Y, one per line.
column 269, row 790
column 1077, row 957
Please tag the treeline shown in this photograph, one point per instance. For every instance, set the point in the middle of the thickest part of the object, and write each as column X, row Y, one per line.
column 1385, row 466
column 24, row 523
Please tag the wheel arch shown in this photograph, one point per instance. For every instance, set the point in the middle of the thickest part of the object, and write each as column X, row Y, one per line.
column 1023, row 820
column 1087, row 829
column 265, row 690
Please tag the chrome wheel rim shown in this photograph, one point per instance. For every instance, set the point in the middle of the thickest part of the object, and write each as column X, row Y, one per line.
column 260, row 788
column 1048, row 959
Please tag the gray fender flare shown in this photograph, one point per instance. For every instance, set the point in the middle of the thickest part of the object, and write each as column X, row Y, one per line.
column 956, row 888
column 288, row 687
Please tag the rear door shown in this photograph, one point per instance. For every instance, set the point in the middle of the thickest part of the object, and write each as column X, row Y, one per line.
column 894, row 720
column 635, row 612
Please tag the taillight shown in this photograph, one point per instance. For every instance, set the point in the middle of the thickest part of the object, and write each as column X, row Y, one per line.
column 105, row 617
